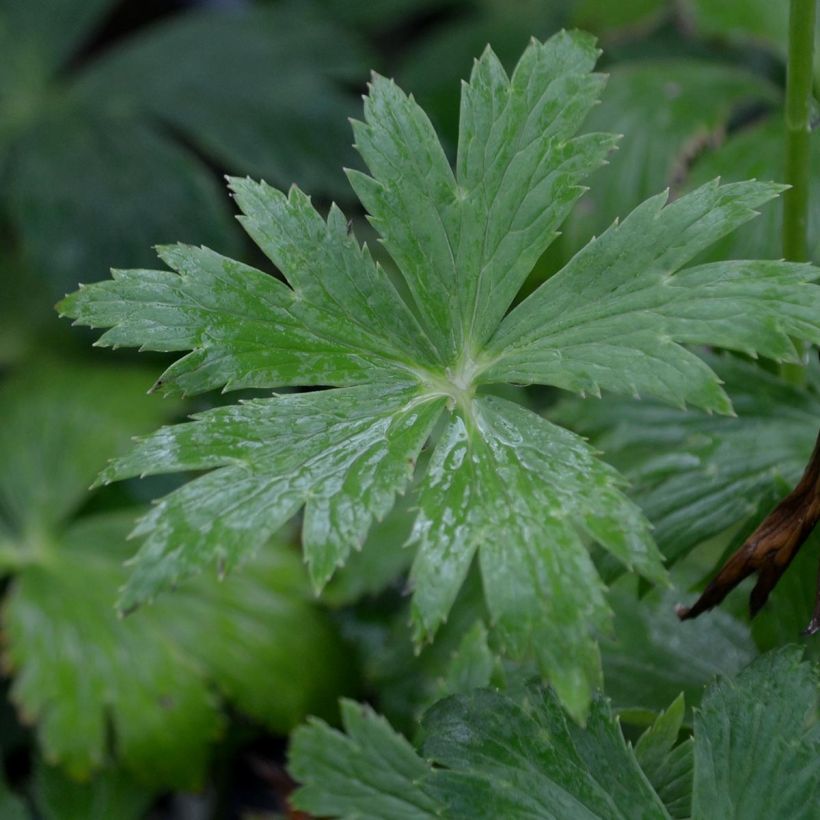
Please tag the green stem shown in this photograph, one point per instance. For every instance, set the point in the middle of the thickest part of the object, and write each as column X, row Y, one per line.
column 798, row 134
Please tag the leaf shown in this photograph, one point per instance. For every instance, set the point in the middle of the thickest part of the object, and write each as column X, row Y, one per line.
column 493, row 758
column 99, row 153
column 369, row 773
column 755, row 23
column 668, row 111
column 613, row 317
column 489, row 488
column 437, row 63
column 502, row 484
column 11, row 806
column 697, row 475
column 503, row 759
column 758, row 152
column 60, row 424
column 653, row 657
column 69, row 172
column 668, row 764
column 147, row 689
column 111, row 794
column 343, row 453
column 203, row 75
column 80, row 673
column 757, row 749
column 488, row 755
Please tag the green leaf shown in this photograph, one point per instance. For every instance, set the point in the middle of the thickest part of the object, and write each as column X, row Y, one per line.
column 615, row 315
column 696, row 475
column 110, row 794
column 757, row 748
column 82, row 674
column 465, row 242
column 148, row 688
column 99, row 152
column 668, row 111
column 505, row 759
column 493, row 758
column 257, row 90
column 668, row 764
column 758, row 152
column 344, row 454
column 11, row 806
column 437, row 63
column 489, row 488
column 60, row 425
column 502, row 484
column 489, row 755
column 77, row 200
column 654, row 657
column 368, row 773
column 246, row 328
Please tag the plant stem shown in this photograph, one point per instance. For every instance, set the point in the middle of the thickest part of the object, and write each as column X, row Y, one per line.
column 798, row 134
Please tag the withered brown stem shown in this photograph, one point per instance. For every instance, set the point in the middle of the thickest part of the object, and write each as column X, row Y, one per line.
column 770, row 549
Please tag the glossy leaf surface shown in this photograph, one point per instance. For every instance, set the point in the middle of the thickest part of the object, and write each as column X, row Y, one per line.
column 502, row 485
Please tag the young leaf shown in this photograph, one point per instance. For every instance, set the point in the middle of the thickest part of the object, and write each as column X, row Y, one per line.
column 502, row 482
column 667, row 763
column 757, row 748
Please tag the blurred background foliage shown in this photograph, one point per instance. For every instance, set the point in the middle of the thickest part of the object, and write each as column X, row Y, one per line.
column 118, row 119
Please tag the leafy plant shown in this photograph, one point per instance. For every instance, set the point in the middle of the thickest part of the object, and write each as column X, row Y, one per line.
column 695, row 475
column 143, row 693
column 82, row 128
column 755, row 753
column 411, row 363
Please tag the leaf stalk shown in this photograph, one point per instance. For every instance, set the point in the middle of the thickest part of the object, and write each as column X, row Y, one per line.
column 799, row 78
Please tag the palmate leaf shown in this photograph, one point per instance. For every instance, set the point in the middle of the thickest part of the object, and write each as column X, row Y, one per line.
column 757, row 744
column 494, row 757
column 697, row 475
column 148, row 688
column 487, row 755
column 145, row 692
column 83, row 129
column 502, row 483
